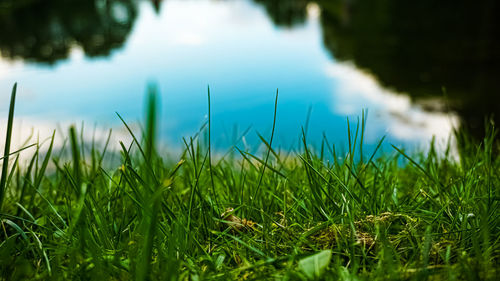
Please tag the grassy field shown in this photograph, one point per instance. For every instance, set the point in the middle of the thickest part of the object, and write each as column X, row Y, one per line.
column 76, row 214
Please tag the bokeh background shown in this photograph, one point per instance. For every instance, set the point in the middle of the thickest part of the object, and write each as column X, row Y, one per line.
column 420, row 68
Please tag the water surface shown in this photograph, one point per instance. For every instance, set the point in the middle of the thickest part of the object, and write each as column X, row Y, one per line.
column 86, row 61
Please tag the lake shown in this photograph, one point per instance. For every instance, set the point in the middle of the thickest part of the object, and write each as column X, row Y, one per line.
column 419, row 69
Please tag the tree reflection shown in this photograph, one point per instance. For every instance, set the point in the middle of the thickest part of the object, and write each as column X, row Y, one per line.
column 286, row 13
column 45, row 31
column 418, row 47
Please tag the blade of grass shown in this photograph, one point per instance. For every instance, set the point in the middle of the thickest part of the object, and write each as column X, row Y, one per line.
column 210, row 167
column 8, row 138
column 17, row 151
column 268, row 150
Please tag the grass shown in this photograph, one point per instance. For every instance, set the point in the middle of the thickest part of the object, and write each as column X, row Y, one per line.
column 75, row 214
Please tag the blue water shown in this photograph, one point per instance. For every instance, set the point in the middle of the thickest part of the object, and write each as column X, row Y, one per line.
column 233, row 47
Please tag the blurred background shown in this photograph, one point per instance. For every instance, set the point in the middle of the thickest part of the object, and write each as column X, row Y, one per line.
column 420, row 68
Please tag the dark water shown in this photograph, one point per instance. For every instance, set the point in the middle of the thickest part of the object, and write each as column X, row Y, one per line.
column 419, row 67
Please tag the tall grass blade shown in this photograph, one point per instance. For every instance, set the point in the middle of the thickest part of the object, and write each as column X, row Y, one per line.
column 151, row 125
column 269, row 148
column 8, row 138
column 210, row 167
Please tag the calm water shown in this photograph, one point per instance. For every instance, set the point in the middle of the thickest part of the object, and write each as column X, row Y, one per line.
column 86, row 60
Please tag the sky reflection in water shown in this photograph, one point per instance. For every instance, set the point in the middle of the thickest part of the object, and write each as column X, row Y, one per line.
column 233, row 47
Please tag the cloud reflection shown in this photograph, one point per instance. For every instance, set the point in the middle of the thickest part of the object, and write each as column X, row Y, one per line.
column 356, row 89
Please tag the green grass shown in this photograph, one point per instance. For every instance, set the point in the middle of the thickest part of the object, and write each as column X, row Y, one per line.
column 75, row 214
